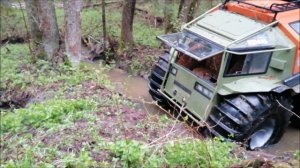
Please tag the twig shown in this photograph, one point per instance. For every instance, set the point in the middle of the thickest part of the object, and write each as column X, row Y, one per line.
column 171, row 130
column 288, row 109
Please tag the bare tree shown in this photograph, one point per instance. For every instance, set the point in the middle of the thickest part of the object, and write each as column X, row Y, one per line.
column 36, row 34
column 44, row 33
column 127, row 22
column 49, row 28
column 180, row 8
column 168, row 15
column 104, row 26
column 193, row 6
column 72, row 10
column 184, row 10
column 187, row 9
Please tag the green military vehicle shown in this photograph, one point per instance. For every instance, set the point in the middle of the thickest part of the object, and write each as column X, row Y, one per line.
column 235, row 70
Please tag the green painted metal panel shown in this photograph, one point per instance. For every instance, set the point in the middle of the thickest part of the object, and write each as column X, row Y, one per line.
column 228, row 24
column 184, row 86
column 278, row 63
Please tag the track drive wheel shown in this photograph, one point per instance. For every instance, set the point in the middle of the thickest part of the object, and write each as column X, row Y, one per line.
column 256, row 120
column 156, row 78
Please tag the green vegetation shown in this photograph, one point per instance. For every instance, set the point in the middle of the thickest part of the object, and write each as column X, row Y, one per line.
column 75, row 119
column 12, row 23
column 16, row 70
column 140, row 64
column 46, row 114
column 180, row 153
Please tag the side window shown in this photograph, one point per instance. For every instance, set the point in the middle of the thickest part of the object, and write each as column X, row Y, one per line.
column 247, row 64
column 296, row 26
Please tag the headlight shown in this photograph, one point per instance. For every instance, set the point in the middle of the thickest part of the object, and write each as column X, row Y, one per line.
column 173, row 71
column 203, row 90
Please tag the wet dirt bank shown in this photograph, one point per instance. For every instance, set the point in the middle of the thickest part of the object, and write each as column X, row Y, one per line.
column 136, row 88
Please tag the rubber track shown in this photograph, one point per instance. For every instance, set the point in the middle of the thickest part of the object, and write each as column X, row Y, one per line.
column 234, row 116
column 156, row 78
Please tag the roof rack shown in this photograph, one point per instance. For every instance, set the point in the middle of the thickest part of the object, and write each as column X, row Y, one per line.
column 275, row 7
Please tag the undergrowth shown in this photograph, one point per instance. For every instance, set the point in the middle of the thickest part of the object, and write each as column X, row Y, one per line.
column 180, row 153
column 16, row 70
column 47, row 114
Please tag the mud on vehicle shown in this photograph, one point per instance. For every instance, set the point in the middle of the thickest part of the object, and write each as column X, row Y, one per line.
column 235, row 69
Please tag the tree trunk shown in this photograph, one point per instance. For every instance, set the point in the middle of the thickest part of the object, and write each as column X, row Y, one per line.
column 194, row 5
column 180, row 8
column 88, row 3
column 104, row 26
column 73, row 30
column 49, row 28
column 169, row 27
column 36, row 34
column 184, row 10
column 127, row 21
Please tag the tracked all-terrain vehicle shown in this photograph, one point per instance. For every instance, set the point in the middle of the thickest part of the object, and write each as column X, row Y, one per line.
column 235, row 70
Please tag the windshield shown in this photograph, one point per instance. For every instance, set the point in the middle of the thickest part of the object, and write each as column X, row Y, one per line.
column 266, row 40
column 192, row 45
column 296, row 26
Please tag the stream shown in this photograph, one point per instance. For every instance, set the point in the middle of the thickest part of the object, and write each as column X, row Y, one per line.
column 136, row 88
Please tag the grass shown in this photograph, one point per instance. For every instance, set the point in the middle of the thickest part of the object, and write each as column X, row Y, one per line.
column 11, row 59
column 12, row 23
column 17, row 71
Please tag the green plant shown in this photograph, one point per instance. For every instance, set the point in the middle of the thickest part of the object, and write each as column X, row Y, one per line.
column 12, row 23
column 82, row 160
column 197, row 153
column 12, row 57
column 182, row 153
column 131, row 153
column 141, row 64
column 146, row 35
column 135, row 66
column 46, row 114
column 16, row 70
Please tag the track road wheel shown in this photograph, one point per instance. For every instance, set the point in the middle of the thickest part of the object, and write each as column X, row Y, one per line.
column 156, row 78
column 256, row 120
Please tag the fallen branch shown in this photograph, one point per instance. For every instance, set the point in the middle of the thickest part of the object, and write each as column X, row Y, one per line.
column 100, row 4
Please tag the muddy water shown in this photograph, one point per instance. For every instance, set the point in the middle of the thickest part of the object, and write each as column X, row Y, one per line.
column 136, row 88
column 289, row 142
